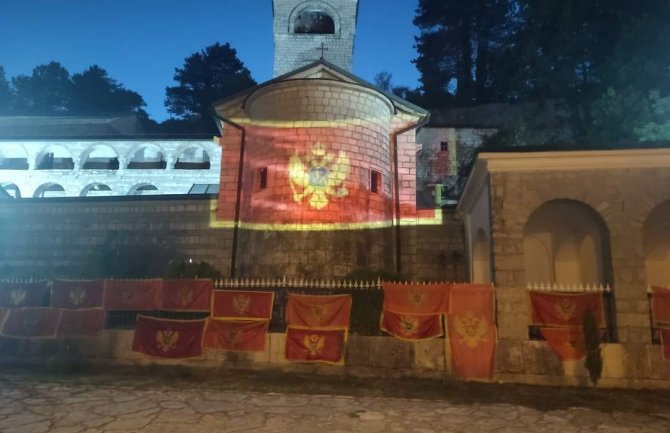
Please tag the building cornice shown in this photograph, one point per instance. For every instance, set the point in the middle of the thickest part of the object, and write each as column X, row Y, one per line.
column 575, row 160
column 477, row 180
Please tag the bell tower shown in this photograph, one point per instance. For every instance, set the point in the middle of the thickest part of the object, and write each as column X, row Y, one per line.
column 306, row 31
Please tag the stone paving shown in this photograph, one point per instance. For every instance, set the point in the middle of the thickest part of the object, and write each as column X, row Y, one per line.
column 28, row 405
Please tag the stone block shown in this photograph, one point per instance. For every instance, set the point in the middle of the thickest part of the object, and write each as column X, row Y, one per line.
column 538, row 358
column 387, row 352
column 430, row 354
column 509, row 356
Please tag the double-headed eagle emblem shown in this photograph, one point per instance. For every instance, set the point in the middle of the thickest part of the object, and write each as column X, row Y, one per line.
column 17, row 296
column 77, row 296
column 319, row 177
column 471, row 329
column 566, row 309
column 241, row 304
column 314, row 343
column 166, row 340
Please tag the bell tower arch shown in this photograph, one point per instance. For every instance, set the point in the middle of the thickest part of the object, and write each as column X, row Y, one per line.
column 306, row 31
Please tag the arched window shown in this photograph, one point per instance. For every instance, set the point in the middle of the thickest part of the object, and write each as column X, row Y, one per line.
column 96, row 190
column 192, row 158
column 143, row 189
column 55, row 157
column 49, row 190
column 314, row 21
column 13, row 157
column 566, row 242
column 100, row 157
column 656, row 244
column 147, row 157
column 11, row 189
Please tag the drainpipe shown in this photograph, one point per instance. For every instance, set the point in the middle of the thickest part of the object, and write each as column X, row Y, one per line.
column 396, row 186
column 238, row 204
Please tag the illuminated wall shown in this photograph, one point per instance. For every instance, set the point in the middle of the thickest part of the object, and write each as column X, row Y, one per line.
column 318, row 158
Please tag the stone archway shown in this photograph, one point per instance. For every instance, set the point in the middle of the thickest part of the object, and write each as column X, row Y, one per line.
column 656, row 245
column 566, row 242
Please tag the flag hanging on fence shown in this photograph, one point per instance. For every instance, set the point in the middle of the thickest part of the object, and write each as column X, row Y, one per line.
column 472, row 332
column 318, row 311
column 565, row 309
column 236, row 335
column 187, row 295
column 81, row 322
column 566, row 342
column 20, row 295
column 414, row 298
column 412, row 326
column 166, row 338
column 316, row 345
column 31, row 322
column 660, row 306
column 664, row 334
column 242, row 305
column 75, row 294
column 133, row 294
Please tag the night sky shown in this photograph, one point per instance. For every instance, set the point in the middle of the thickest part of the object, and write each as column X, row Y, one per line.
column 140, row 42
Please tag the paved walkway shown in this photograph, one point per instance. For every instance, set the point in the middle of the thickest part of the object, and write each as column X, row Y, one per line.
column 33, row 405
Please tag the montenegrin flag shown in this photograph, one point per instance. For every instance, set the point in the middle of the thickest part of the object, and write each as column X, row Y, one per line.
column 318, row 311
column 187, row 295
column 412, row 326
column 665, row 342
column 236, row 335
column 74, row 294
column 564, row 309
column 472, row 332
column 15, row 295
column 660, row 306
column 31, row 322
column 81, row 322
column 414, row 298
column 566, row 342
column 166, row 338
column 242, row 305
column 133, row 294
column 316, row 345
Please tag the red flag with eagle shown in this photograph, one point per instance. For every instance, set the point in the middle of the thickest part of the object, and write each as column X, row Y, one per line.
column 21, row 295
column 236, row 335
column 133, row 294
column 81, row 322
column 564, row 309
column 167, row 338
column 416, row 298
column 74, row 294
column 31, row 322
column 187, row 295
column 472, row 331
column 412, row 326
column 566, row 342
column 316, row 345
column 660, row 306
column 242, row 305
column 318, row 311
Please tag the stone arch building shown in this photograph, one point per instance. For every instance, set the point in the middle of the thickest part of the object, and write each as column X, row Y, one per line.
column 573, row 218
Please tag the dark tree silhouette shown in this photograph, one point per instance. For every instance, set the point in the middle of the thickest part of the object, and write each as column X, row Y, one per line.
column 46, row 92
column 6, row 96
column 95, row 93
column 205, row 77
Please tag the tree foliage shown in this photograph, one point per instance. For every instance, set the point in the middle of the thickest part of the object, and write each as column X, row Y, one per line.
column 206, row 76
column 606, row 59
column 50, row 90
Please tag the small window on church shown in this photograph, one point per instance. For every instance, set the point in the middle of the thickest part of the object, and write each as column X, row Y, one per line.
column 444, row 146
column 314, row 21
column 375, row 181
column 263, row 178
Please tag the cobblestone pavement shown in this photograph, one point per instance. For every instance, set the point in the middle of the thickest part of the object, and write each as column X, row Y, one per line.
column 33, row 405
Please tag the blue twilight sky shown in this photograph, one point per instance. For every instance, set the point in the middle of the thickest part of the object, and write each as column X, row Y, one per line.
column 140, row 42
